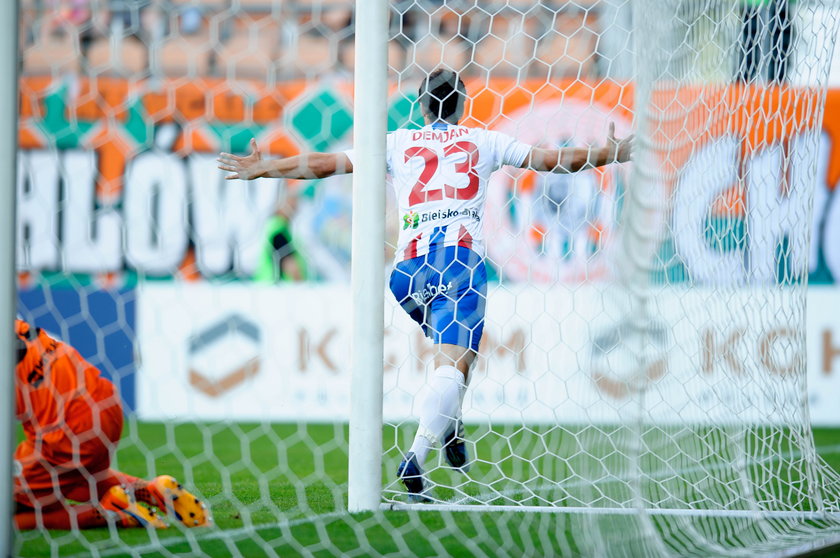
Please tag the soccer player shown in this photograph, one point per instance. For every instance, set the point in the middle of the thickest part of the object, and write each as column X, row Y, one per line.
column 72, row 419
column 439, row 174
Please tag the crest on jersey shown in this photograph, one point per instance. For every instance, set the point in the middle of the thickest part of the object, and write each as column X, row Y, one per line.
column 411, row 220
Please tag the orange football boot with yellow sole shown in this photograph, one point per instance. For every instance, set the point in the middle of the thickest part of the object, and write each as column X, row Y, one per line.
column 128, row 511
column 169, row 496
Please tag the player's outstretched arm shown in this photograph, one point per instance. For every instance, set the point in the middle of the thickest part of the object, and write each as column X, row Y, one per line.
column 307, row 165
column 574, row 159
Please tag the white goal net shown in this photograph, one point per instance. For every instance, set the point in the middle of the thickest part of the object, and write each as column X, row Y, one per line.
column 645, row 383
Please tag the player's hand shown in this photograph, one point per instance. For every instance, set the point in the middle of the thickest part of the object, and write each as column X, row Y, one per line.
column 248, row 167
column 623, row 147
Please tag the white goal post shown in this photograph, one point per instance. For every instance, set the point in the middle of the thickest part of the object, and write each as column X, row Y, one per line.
column 8, row 291
column 370, row 108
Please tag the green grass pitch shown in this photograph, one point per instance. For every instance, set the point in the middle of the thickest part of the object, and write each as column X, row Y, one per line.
column 288, row 484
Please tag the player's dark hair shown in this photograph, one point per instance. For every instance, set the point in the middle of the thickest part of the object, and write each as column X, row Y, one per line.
column 442, row 95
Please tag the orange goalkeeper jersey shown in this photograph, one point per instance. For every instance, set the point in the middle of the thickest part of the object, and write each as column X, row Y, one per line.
column 56, row 389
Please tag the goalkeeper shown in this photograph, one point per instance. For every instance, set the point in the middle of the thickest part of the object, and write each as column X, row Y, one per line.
column 72, row 420
column 439, row 174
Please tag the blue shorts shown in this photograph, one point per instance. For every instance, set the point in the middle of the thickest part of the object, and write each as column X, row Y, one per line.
column 445, row 292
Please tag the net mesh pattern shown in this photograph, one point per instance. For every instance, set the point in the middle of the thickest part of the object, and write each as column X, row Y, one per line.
column 640, row 385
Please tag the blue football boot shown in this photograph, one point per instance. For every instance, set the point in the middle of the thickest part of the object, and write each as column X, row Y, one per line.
column 411, row 475
column 455, row 449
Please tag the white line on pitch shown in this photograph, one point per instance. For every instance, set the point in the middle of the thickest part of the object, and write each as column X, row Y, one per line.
column 586, row 510
column 823, row 450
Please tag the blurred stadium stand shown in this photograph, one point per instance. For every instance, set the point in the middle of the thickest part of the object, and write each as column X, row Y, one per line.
column 272, row 40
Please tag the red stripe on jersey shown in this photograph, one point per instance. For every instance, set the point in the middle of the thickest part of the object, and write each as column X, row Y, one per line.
column 464, row 238
column 411, row 249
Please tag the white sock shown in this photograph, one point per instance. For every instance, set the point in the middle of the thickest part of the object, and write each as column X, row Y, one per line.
column 439, row 410
column 462, row 390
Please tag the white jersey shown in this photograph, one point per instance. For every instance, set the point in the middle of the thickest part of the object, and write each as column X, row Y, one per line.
column 439, row 174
